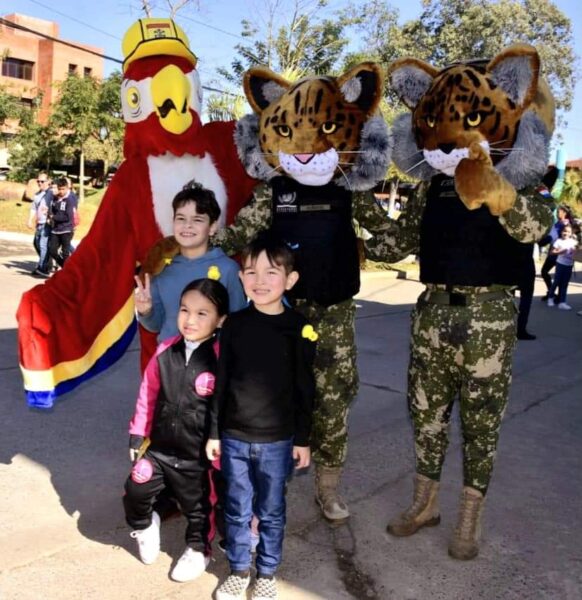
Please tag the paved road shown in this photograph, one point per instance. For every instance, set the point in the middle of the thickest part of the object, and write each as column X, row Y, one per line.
column 62, row 534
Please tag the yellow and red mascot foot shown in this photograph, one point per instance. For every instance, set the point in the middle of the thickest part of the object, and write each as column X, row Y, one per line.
column 82, row 320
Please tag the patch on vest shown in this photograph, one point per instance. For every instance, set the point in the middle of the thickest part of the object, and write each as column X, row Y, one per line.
column 286, row 203
column 204, row 384
column 315, row 207
column 142, row 471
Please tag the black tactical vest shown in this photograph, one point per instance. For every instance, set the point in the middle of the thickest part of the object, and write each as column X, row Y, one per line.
column 316, row 223
column 464, row 247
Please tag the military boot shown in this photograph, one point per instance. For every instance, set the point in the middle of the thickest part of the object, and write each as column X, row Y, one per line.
column 465, row 542
column 332, row 506
column 424, row 511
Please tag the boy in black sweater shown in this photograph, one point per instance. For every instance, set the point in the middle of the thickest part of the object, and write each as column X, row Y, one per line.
column 261, row 416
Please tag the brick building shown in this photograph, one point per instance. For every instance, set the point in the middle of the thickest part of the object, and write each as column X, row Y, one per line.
column 33, row 62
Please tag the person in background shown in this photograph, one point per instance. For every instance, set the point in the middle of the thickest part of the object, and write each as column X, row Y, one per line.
column 38, row 218
column 61, row 215
column 564, row 218
column 563, row 248
column 76, row 218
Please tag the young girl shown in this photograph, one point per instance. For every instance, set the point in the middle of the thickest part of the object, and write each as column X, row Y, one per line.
column 563, row 248
column 172, row 413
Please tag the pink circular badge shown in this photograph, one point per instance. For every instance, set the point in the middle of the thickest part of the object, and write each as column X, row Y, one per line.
column 142, row 471
column 204, row 384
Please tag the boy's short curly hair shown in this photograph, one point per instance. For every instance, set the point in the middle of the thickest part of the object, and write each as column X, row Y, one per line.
column 204, row 198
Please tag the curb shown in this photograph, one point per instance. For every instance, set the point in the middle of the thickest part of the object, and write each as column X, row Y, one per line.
column 12, row 236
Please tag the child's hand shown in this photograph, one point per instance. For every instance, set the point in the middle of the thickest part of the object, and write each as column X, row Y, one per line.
column 143, row 296
column 135, row 445
column 213, row 449
column 301, row 456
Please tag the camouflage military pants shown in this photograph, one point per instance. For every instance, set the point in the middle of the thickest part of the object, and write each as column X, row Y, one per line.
column 462, row 352
column 336, row 378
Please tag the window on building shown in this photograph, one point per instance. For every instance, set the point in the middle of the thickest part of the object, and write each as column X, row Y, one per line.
column 19, row 69
column 87, row 72
column 72, row 69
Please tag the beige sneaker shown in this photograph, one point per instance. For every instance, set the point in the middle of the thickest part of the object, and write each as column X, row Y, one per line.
column 233, row 588
column 465, row 542
column 424, row 511
column 265, row 589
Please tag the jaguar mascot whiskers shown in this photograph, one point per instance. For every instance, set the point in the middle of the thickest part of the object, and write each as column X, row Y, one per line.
column 478, row 139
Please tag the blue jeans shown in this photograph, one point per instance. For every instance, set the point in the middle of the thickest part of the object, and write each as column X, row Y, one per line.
column 561, row 281
column 41, row 240
column 255, row 476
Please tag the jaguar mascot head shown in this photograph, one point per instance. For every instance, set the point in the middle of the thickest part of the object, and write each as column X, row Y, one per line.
column 500, row 108
column 317, row 129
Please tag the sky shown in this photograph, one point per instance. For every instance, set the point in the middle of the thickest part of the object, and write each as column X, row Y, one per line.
column 215, row 29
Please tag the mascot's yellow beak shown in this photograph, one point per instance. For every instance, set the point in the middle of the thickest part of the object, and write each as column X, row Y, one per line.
column 171, row 97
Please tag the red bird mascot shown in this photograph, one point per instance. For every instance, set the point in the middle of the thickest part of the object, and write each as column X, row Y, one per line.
column 82, row 320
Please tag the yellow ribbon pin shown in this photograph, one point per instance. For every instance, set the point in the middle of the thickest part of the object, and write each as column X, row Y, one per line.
column 213, row 273
column 309, row 333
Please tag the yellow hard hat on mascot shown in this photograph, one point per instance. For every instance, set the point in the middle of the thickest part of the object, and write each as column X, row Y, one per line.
column 155, row 37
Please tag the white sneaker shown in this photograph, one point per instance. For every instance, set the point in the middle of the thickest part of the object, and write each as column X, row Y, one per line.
column 551, row 302
column 148, row 540
column 190, row 565
column 564, row 306
column 233, row 588
column 265, row 589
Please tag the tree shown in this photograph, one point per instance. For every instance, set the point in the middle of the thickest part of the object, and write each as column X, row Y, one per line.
column 35, row 146
column 106, row 143
column 225, row 107
column 572, row 190
column 88, row 117
column 451, row 30
column 10, row 107
column 75, row 116
column 294, row 37
column 151, row 7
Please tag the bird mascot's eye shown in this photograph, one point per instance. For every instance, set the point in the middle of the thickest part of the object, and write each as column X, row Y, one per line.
column 133, row 97
column 430, row 121
column 473, row 119
column 283, row 130
column 328, row 127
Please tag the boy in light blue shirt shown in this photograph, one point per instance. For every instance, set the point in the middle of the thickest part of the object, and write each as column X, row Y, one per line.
column 196, row 214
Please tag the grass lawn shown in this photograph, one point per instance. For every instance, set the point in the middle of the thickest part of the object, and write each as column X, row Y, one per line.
column 14, row 214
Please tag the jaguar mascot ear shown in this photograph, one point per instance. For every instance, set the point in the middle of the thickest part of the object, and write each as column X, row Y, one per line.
column 497, row 113
column 262, row 87
column 315, row 129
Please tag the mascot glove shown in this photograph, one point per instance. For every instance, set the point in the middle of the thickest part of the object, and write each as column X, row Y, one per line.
column 477, row 183
column 159, row 256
